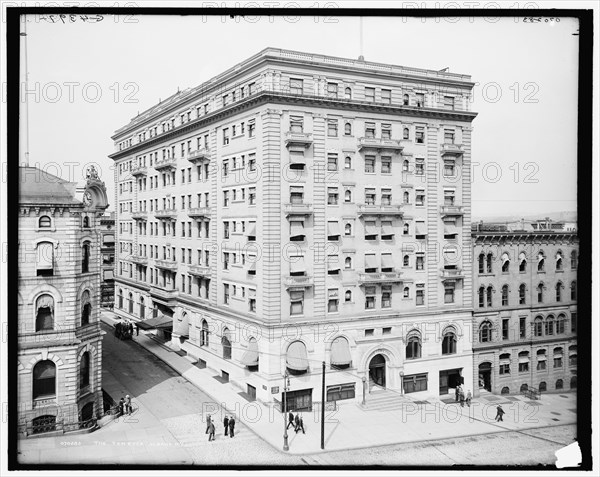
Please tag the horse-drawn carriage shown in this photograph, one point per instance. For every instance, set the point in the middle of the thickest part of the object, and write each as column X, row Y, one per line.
column 124, row 331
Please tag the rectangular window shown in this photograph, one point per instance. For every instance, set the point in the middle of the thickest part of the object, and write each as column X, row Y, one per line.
column 523, row 367
column 386, row 197
column 505, row 328
column 386, row 96
column 420, row 197
column 420, row 135
column 370, row 94
column 449, row 295
column 449, row 166
column 340, row 392
column 369, row 332
column 386, row 296
column 332, row 128
column 332, row 90
column 370, row 130
column 449, row 196
column 414, row 383
column 420, row 97
column 386, row 165
column 386, row 131
column 522, row 327
column 448, row 136
column 332, row 196
column 370, row 298
column 296, row 302
column 419, row 166
column 332, row 162
column 449, row 102
column 225, row 198
column 370, row 196
column 226, row 294
column 370, row 164
column 504, row 368
column 332, row 305
column 296, row 86
column 420, row 297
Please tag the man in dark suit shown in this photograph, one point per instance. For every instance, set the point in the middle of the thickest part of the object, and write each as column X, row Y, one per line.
column 291, row 420
column 226, row 424
column 231, row 426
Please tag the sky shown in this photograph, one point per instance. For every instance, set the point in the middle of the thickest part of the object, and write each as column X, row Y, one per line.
column 90, row 79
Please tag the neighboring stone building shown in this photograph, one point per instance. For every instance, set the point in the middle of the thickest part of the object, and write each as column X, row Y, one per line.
column 293, row 210
column 525, row 299
column 59, row 336
column 107, row 250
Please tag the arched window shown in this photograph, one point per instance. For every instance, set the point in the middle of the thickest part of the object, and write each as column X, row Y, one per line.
column 559, row 261
column 86, row 222
column 524, row 387
column 204, row 334
column 541, row 360
column 348, row 296
column 348, row 129
column 522, row 262
column 85, row 257
column 45, row 222
column 405, row 133
column 405, row 229
column 348, row 93
column 142, row 308
column 490, row 291
column 549, row 325
column 120, row 298
column 413, row 345
column 485, row 332
column 540, row 292
column 130, row 304
column 573, row 290
column 560, row 324
column 84, row 370
column 505, row 262
column 348, row 162
column 522, row 294
column 86, row 309
column 46, row 423
column 573, row 259
column 348, row 263
column 559, row 287
column 226, row 342
column 405, row 165
column 406, row 197
column 489, row 261
column 406, row 292
column 348, row 196
column 505, row 295
column 348, row 229
column 481, row 263
column 481, row 295
column 542, row 386
column 541, row 261
column 406, row 261
column 405, row 99
column 559, row 384
column 505, row 390
column 44, row 379
column 44, row 317
column 449, row 342
column 538, row 324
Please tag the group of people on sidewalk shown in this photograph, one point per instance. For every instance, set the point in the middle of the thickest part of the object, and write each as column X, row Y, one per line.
column 124, row 406
column 461, row 397
column 296, row 422
column 228, row 424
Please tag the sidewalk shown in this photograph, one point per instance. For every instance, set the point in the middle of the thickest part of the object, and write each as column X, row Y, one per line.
column 353, row 426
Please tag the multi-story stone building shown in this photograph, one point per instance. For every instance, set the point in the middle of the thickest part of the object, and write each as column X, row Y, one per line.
column 294, row 210
column 525, row 299
column 59, row 336
column 107, row 250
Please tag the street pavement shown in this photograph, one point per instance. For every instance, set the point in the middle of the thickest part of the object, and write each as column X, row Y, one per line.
column 173, row 397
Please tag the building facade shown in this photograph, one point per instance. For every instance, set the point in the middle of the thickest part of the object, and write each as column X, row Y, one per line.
column 525, row 308
column 107, row 250
column 300, row 208
column 59, row 336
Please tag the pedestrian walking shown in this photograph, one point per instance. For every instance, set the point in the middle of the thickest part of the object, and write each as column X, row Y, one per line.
column 128, row 409
column 211, row 431
column 469, row 397
column 297, row 423
column 461, row 397
column 499, row 413
column 301, row 424
column 456, row 391
column 291, row 420
column 226, row 424
column 120, row 406
column 231, row 426
column 208, row 422
column 137, row 330
column 130, row 329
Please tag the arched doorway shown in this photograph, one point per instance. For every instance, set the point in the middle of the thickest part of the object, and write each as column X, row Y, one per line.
column 377, row 370
column 573, row 384
column 485, row 376
column 87, row 414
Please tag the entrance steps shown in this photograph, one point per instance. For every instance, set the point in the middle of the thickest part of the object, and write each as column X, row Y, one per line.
column 381, row 399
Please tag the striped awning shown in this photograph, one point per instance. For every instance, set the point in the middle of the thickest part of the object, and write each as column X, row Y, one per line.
column 296, row 228
column 250, row 356
column 386, row 228
column 420, row 228
column 297, row 265
column 387, row 261
column 370, row 261
column 340, row 352
column 333, row 228
column 371, row 228
column 296, row 357
column 251, row 229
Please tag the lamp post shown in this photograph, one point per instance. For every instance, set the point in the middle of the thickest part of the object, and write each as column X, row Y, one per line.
column 401, row 383
column 364, row 381
column 286, row 383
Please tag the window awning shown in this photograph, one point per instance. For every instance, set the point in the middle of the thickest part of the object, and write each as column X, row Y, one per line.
column 449, row 228
column 251, row 232
column 296, row 228
column 296, row 357
column 252, row 267
column 250, row 356
column 541, row 357
column 387, row 260
column 45, row 256
column 297, row 157
column 420, row 228
column 340, row 352
column 333, row 228
column 297, row 265
column 160, row 322
column 333, row 262
column 371, row 228
column 524, row 359
column 386, row 228
column 370, row 261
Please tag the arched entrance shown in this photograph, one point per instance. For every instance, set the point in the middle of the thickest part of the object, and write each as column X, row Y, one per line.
column 87, row 413
column 377, row 370
column 485, row 376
